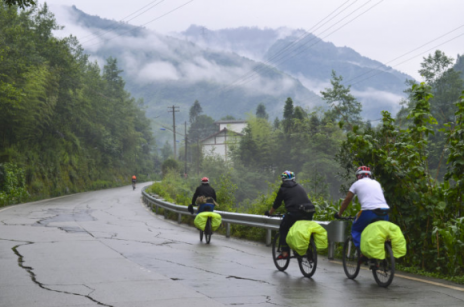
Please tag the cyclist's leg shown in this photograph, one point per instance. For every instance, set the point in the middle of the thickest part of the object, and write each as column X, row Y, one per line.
column 287, row 222
column 363, row 219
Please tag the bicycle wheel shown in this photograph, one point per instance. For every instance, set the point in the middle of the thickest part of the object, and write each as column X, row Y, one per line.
column 201, row 235
column 208, row 231
column 351, row 256
column 308, row 262
column 385, row 270
column 281, row 264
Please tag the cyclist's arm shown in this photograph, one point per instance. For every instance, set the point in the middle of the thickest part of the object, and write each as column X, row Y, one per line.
column 346, row 202
column 194, row 198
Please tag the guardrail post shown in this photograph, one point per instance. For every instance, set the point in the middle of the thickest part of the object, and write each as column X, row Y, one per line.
column 227, row 230
column 268, row 237
column 179, row 218
column 331, row 250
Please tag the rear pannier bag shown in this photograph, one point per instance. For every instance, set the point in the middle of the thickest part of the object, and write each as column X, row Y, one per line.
column 201, row 218
column 300, row 233
column 374, row 236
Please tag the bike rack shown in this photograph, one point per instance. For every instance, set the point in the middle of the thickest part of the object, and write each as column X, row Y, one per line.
column 336, row 230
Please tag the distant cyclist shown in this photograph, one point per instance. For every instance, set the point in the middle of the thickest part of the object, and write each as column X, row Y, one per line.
column 203, row 190
column 297, row 204
column 134, row 181
column 373, row 203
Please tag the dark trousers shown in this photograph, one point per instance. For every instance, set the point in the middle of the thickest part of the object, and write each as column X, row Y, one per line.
column 287, row 222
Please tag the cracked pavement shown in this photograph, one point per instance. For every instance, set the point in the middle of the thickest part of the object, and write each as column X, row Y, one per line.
column 105, row 248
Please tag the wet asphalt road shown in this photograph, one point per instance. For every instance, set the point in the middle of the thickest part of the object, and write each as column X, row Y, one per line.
column 106, row 249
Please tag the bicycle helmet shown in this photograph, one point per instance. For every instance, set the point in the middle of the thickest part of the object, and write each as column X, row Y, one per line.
column 204, row 180
column 287, row 175
column 363, row 172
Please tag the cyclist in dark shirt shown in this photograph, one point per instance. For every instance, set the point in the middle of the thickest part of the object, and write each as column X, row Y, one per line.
column 297, row 204
column 203, row 190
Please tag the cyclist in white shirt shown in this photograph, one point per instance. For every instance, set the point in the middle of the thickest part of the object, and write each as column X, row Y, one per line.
column 373, row 203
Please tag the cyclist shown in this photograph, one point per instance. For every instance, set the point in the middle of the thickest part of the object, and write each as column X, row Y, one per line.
column 297, row 204
column 203, row 190
column 134, row 180
column 373, row 203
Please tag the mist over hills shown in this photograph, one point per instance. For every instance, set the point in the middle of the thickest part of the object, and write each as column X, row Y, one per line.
column 231, row 71
column 166, row 71
column 311, row 60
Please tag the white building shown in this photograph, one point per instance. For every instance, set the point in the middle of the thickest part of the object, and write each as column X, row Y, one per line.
column 229, row 134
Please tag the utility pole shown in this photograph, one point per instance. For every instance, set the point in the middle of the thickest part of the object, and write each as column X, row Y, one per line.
column 185, row 133
column 174, row 110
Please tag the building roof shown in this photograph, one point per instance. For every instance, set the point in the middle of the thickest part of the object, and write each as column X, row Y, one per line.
column 223, row 130
column 233, row 121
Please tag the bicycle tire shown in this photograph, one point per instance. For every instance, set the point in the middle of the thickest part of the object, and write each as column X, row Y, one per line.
column 201, row 235
column 208, row 231
column 351, row 255
column 281, row 264
column 308, row 262
column 385, row 271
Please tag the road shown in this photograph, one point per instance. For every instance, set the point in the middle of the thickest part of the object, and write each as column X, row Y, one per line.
column 105, row 248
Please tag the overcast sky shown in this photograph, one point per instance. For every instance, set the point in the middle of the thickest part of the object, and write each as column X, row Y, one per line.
column 381, row 30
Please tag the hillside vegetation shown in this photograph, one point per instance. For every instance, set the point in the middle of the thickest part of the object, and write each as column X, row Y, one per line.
column 65, row 125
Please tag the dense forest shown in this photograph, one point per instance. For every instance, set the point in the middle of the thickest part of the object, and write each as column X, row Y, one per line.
column 65, row 124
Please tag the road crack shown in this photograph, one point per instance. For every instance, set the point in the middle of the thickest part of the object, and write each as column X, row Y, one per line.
column 250, row 279
column 33, row 277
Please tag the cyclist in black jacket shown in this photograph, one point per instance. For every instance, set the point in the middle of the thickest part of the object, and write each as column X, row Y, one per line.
column 203, row 190
column 297, row 204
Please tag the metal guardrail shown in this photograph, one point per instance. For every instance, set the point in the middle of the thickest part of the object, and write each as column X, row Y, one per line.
column 336, row 230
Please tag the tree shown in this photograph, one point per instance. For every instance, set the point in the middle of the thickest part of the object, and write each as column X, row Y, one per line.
column 343, row 105
column 21, row 3
column 202, row 127
column 195, row 111
column 288, row 115
column 166, row 151
column 433, row 66
column 261, row 111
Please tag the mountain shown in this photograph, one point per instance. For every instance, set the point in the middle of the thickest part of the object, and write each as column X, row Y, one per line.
column 311, row 60
column 166, row 70
column 231, row 71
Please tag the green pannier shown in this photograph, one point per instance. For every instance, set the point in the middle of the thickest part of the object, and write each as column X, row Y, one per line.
column 300, row 233
column 201, row 218
column 374, row 236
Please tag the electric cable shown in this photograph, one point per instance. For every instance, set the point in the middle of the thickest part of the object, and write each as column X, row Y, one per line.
column 319, row 40
column 429, row 42
column 119, row 25
column 155, row 19
column 122, row 19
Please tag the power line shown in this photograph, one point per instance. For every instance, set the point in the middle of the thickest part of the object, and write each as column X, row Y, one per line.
column 380, row 72
column 111, row 29
column 429, row 42
column 317, row 39
column 256, row 72
column 300, row 38
column 155, row 19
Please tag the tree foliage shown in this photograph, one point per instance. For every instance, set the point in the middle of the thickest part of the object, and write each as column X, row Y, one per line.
column 68, row 125
column 343, row 105
column 21, row 3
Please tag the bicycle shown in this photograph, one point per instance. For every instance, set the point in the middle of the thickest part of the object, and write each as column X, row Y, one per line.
column 207, row 232
column 382, row 270
column 307, row 262
column 133, row 185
